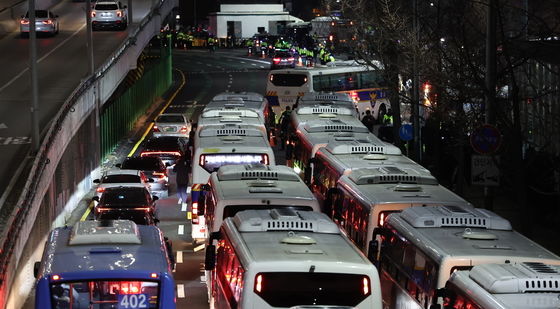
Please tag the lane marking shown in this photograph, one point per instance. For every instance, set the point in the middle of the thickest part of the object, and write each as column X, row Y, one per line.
column 42, row 58
column 261, row 67
column 253, row 64
column 183, row 81
column 3, row 126
column 198, row 248
column 88, row 210
column 180, row 291
column 181, row 229
column 242, row 61
column 183, row 206
column 179, row 257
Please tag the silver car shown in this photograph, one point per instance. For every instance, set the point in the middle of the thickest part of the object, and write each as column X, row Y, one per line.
column 171, row 124
column 109, row 14
column 45, row 22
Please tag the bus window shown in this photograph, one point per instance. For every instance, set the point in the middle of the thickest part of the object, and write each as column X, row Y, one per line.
column 211, row 162
column 288, row 80
column 231, row 210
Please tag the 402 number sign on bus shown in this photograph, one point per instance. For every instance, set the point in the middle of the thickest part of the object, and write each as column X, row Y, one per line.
column 133, row 301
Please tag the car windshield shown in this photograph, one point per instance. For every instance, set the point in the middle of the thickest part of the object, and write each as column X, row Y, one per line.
column 162, row 143
column 106, row 7
column 170, row 118
column 38, row 14
column 145, row 164
column 121, row 178
column 125, row 197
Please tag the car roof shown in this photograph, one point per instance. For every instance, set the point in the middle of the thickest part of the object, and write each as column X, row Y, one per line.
column 118, row 171
column 124, row 187
column 163, row 141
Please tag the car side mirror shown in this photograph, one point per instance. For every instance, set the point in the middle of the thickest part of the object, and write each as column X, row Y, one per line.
column 96, row 181
column 95, row 198
column 210, row 258
column 118, row 165
column 168, row 164
column 151, row 180
column 36, row 268
column 156, row 221
column 155, row 198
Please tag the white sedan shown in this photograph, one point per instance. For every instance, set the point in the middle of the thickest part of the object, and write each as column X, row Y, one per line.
column 45, row 22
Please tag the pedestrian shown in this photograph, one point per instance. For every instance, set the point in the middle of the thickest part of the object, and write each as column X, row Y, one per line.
column 388, row 118
column 284, row 123
column 368, row 120
column 181, row 170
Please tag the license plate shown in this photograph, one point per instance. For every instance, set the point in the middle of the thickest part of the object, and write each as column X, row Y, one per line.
column 287, row 100
column 170, row 129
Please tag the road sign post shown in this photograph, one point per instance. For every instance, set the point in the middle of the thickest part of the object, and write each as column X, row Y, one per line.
column 484, row 171
column 486, row 139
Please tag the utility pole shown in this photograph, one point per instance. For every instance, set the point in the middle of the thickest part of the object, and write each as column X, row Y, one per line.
column 35, row 132
column 89, row 38
column 490, row 81
column 417, row 143
column 129, row 11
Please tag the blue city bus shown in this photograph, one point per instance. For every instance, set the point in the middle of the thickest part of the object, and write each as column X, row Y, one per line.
column 105, row 264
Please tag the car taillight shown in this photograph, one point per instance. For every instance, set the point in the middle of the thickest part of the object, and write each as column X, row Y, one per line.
column 276, row 59
column 160, row 174
column 119, row 14
column 383, row 217
column 47, row 22
column 201, row 161
column 155, row 129
column 184, row 129
column 142, row 208
column 100, row 190
column 24, row 22
column 92, row 14
column 291, row 59
column 194, row 217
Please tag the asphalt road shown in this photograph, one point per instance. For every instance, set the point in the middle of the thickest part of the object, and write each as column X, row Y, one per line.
column 207, row 74
column 62, row 64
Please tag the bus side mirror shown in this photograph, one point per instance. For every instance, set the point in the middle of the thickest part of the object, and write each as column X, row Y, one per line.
column 95, row 198
column 36, row 268
column 210, row 258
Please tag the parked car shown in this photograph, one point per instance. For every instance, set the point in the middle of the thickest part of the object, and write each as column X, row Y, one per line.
column 283, row 59
column 133, row 200
column 153, row 167
column 120, row 177
column 168, row 148
column 109, row 14
column 171, row 125
column 45, row 22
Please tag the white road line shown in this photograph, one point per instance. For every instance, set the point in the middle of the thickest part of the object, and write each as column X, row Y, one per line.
column 198, row 248
column 179, row 257
column 183, row 206
column 180, row 291
column 253, row 64
column 242, row 61
column 181, row 229
column 261, row 67
column 41, row 59
column 188, row 190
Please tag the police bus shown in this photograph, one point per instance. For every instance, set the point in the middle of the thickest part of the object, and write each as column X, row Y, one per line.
column 364, row 84
column 245, row 100
column 333, row 99
column 526, row 285
column 282, row 258
column 218, row 145
column 105, row 264
column 362, row 200
column 310, row 135
column 421, row 247
column 234, row 188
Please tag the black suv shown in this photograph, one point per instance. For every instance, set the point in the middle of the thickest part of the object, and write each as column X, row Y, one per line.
column 125, row 202
column 168, row 148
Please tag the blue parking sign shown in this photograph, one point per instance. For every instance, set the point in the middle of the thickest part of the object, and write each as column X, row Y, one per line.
column 406, row 132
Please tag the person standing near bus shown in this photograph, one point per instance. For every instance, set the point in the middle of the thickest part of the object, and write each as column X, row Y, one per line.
column 368, row 120
column 284, row 123
column 181, row 170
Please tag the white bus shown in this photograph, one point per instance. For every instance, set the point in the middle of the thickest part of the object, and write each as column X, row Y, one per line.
column 332, row 99
column 312, row 134
column 525, row 285
column 364, row 84
column 362, row 200
column 421, row 247
column 215, row 146
column 244, row 100
column 230, row 115
column 234, row 188
column 281, row 258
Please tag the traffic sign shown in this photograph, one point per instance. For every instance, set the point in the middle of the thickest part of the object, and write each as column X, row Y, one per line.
column 486, row 139
column 406, row 132
column 484, row 171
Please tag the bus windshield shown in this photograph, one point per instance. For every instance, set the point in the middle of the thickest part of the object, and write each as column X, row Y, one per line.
column 285, row 289
column 288, row 80
column 101, row 294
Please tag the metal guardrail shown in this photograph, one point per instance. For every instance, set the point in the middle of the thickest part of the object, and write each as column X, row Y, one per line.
column 77, row 107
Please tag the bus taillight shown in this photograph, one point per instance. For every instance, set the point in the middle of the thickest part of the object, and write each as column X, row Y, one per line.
column 258, row 283
column 56, row 277
column 265, row 159
column 202, row 159
column 383, row 217
column 153, row 275
column 365, row 282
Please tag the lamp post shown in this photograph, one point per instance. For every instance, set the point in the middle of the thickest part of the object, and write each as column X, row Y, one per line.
column 35, row 133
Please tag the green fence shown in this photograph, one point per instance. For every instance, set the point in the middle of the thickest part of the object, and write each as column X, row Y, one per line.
column 119, row 116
